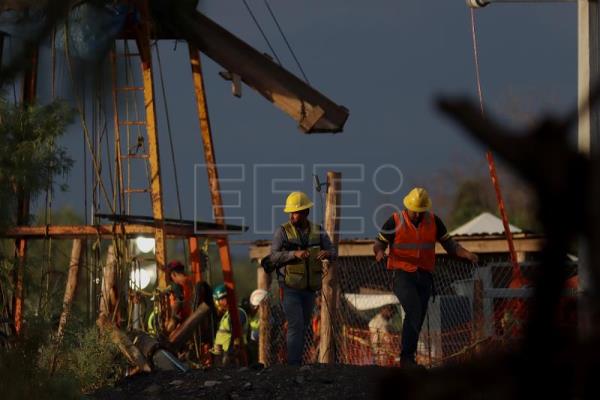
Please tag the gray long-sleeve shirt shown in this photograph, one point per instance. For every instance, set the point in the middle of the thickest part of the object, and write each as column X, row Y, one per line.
column 280, row 247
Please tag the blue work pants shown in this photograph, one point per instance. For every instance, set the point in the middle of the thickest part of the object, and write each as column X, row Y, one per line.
column 298, row 307
column 413, row 290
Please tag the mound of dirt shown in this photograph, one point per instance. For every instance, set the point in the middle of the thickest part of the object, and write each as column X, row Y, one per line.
column 313, row 382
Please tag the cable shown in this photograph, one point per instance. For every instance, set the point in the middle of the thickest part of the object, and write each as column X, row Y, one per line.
column 262, row 32
column 490, row 157
column 83, row 121
column 286, row 41
column 169, row 130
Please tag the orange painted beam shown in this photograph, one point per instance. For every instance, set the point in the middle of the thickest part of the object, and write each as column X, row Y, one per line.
column 143, row 44
column 23, row 202
column 215, row 191
column 196, row 259
column 105, row 231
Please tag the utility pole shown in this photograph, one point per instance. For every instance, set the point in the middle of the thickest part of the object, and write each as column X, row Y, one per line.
column 588, row 13
column 588, row 128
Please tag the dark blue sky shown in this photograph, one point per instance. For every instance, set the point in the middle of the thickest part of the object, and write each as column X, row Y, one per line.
column 385, row 61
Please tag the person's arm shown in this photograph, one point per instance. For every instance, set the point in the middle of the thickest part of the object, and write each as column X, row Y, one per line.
column 450, row 245
column 176, row 305
column 328, row 250
column 278, row 254
column 384, row 239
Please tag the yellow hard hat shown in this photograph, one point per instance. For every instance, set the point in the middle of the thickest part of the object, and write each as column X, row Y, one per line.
column 417, row 200
column 297, row 201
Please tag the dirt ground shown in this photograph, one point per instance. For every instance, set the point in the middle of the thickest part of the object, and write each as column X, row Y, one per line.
column 313, row 382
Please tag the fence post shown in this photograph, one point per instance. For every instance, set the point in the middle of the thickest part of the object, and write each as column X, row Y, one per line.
column 264, row 282
column 478, row 314
column 329, row 286
column 70, row 290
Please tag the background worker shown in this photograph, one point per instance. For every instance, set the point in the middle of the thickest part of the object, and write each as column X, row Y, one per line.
column 301, row 246
column 381, row 330
column 181, row 294
column 224, row 343
column 411, row 236
column 251, row 306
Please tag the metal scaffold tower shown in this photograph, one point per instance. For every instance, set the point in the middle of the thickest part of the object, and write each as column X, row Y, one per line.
column 136, row 137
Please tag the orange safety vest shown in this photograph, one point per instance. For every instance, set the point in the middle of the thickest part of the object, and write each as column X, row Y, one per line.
column 413, row 247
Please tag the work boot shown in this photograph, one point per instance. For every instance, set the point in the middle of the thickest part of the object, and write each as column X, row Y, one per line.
column 410, row 363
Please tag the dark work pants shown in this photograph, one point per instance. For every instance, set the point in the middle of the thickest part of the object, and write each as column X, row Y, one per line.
column 413, row 290
column 298, row 307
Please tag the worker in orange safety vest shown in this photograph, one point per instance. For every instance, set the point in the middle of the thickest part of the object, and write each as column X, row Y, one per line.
column 410, row 236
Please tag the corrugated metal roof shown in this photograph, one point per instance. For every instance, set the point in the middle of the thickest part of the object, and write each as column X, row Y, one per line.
column 484, row 224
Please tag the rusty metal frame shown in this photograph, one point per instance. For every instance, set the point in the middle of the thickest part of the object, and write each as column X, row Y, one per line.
column 196, row 260
column 215, row 192
column 143, row 43
column 23, row 203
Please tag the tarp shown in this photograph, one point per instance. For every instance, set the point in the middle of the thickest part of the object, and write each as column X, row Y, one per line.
column 363, row 302
column 91, row 29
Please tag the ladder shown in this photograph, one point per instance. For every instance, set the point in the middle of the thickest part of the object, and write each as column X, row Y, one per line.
column 144, row 148
column 131, row 138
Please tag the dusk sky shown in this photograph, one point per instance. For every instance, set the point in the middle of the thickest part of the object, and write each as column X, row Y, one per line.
column 385, row 61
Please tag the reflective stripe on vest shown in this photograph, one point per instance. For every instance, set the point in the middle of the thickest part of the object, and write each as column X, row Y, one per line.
column 424, row 246
column 224, row 335
column 304, row 274
column 413, row 247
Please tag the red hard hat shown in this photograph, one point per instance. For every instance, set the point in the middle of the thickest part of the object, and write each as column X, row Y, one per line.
column 174, row 265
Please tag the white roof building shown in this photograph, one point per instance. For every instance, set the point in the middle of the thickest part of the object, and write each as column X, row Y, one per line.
column 484, row 224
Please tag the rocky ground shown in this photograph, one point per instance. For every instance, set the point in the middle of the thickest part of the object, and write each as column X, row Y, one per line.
column 313, row 382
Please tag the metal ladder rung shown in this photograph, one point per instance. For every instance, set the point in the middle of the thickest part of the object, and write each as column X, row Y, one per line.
column 142, row 156
column 130, row 88
column 136, row 190
column 133, row 123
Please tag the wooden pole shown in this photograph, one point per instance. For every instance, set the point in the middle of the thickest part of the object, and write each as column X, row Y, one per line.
column 108, row 318
column 263, row 282
column 70, row 290
column 108, row 298
column 71, row 287
column 478, row 314
column 329, row 287
column 185, row 331
column 119, row 338
column 588, row 134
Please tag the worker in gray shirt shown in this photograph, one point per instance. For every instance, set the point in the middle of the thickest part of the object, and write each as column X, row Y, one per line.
column 299, row 248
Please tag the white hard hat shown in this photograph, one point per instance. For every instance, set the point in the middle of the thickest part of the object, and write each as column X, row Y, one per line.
column 258, row 296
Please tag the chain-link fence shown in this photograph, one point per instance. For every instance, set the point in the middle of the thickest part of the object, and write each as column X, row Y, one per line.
column 474, row 309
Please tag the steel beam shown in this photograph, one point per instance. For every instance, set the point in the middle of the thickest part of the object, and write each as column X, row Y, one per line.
column 313, row 111
column 23, row 203
column 143, row 44
column 107, row 231
column 215, row 191
column 196, row 260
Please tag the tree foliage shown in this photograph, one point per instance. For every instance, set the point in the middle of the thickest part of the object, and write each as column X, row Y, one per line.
column 465, row 191
column 30, row 157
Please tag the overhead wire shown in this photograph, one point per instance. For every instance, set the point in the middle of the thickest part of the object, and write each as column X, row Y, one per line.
column 171, row 147
column 81, row 110
column 286, row 41
column 490, row 157
column 262, row 32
